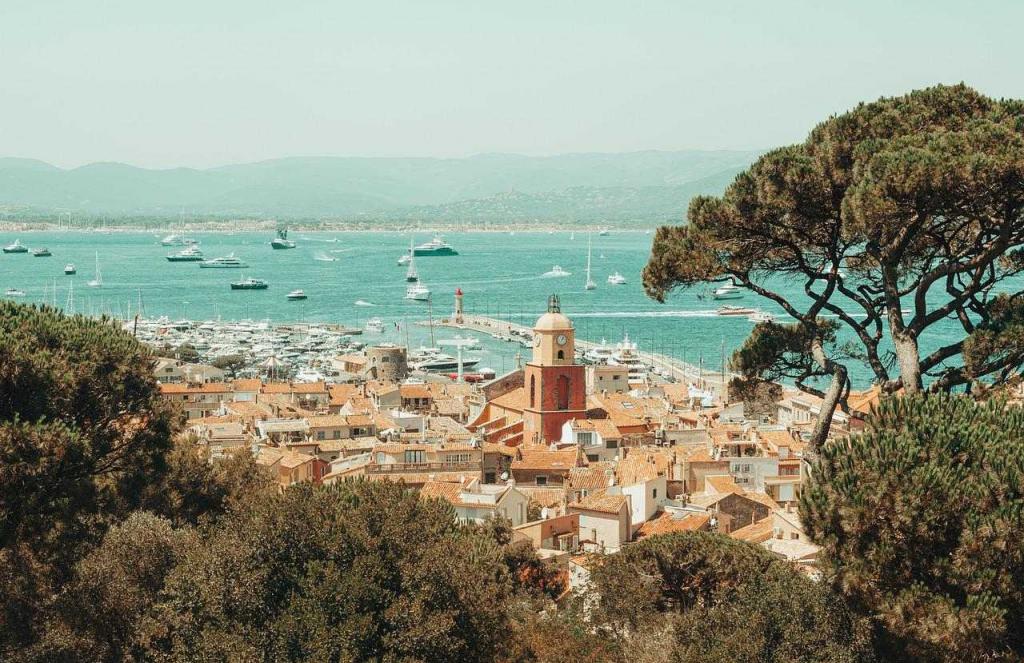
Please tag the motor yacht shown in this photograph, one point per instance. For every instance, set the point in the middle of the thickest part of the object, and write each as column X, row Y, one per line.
column 444, row 362
column 761, row 316
column 14, row 292
column 250, row 284
column 728, row 291
column 616, row 279
column 226, row 262
column 282, row 241
column 556, row 272
column 435, row 247
column 297, row 294
column 192, row 253
column 599, row 354
column 70, row 269
column 375, row 325
column 626, row 355
column 16, row 247
column 42, row 253
column 177, row 239
column 736, row 310
column 418, row 292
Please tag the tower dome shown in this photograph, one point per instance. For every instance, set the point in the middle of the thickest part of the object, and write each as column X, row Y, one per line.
column 554, row 318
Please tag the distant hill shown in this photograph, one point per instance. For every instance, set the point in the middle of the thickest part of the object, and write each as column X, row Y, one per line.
column 501, row 187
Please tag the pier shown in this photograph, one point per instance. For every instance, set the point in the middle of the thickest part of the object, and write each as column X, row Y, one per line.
column 678, row 369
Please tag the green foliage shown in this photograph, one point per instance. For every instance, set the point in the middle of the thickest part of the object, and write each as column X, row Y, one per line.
column 921, row 519
column 230, row 364
column 722, row 600
column 361, row 571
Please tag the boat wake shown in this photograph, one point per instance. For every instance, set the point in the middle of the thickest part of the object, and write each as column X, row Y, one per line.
column 320, row 256
column 363, row 302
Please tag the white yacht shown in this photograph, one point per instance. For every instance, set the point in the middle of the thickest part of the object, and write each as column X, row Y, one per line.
column 626, row 355
column 599, row 354
column 736, row 310
column 282, row 241
column 435, row 247
column 728, row 291
column 443, row 362
column 556, row 272
column 16, row 247
column 177, row 239
column 603, row 233
column 14, row 292
column 70, row 269
column 296, row 294
column 97, row 280
column 226, row 262
column 375, row 325
column 417, row 291
column 617, row 279
column 191, row 253
column 761, row 316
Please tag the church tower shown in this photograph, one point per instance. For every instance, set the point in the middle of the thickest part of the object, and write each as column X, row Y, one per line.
column 555, row 385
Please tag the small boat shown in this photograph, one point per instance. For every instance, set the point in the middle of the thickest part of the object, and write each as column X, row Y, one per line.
column 282, row 241
column 603, row 233
column 16, row 247
column 97, row 279
column 417, row 291
column 226, row 262
column 14, row 292
column 297, row 294
column 190, row 254
column 617, row 279
column 250, row 284
column 176, row 239
column 728, row 291
column 42, row 253
column 761, row 316
column 411, row 275
column 70, row 269
column 375, row 325
column 435, row 247
column 556, row 272
column 736, row 310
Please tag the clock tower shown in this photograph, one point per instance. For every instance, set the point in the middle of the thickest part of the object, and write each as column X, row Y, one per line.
column 555, row 385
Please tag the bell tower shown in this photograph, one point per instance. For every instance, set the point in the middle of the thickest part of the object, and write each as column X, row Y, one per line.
column 555, row 385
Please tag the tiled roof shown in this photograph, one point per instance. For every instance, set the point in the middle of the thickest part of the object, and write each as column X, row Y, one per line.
column 755, row 532
column 665, row 523
column 722, row 483
column 587, row 478
column 514, row 400
column 415, row 391
column 248, row 385
column 328, row 421
column 633, row 470
column 602, row 503
column 537, row 459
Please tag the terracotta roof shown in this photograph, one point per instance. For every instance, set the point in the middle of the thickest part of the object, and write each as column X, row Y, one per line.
column 248, row 385
column 755, row 532
column 546, row 497
column 722, row 483
column 602, row 503
column 309, row 388
column 415, row 391
column 665, row 523
column 418, row 478
column 276, row 388
column 514, row 400
column 504, row 450
column 537, row 459
column 632, row 470
column 204, row 388
column 606, row 428
column 587, row 478
column 340, row 393
column 328, row 421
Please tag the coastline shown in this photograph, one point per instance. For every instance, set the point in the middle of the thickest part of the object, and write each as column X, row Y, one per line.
column 338, row 227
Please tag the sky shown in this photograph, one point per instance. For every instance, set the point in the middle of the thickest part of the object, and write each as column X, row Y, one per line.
column 201, row 83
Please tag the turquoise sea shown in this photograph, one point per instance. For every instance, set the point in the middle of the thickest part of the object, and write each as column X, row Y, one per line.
column 500, row 274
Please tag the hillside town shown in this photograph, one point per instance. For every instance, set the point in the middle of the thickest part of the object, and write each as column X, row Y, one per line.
column 579, row 458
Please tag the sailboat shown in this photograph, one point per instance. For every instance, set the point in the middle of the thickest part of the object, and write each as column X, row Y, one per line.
column 590, row 285
column 97, row 280
column 411, row 275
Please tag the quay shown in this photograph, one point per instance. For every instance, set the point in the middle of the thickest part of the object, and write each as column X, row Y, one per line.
column 679, row 370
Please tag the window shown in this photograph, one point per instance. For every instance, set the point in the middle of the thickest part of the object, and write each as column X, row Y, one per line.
column 584, row 437
column 654, row 493
column 321, row 435
column 592, row 458
column 542, row 481
column 561, row 354
column 562, row 390
column 385, row 359
column 519, row 510
column 533, row 390
column 337, row 435
column 490, row 477
column 458, row 458
column 611, row 444
column 414, row 457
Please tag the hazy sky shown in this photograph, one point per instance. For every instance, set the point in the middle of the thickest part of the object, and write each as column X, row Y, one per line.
column 199, row 83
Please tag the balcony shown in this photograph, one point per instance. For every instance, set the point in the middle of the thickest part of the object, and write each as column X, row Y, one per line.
column 391, row 468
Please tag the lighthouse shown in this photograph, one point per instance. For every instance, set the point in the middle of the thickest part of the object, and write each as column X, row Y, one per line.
column 458, row 306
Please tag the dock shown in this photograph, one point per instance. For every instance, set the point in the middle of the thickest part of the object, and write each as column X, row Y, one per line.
column 678, row 369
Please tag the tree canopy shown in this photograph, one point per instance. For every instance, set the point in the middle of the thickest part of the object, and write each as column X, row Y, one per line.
column 898, row 218
column 921, row 520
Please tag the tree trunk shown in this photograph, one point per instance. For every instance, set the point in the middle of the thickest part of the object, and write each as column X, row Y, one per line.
column 909, row 360
column 828, row 407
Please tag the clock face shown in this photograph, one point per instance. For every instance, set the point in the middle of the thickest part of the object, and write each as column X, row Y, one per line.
column 536, row 340
column 562, row 340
